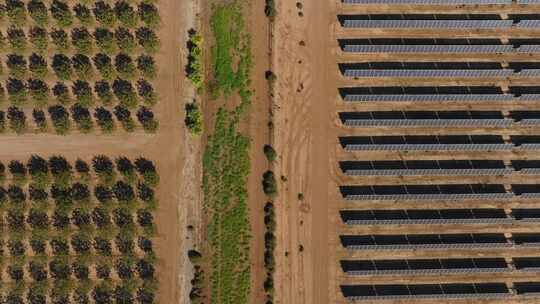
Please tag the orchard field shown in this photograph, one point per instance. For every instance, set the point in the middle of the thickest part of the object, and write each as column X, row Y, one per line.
column 81, row 66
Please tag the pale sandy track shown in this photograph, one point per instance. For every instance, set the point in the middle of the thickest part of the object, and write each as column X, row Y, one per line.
column 303, row 123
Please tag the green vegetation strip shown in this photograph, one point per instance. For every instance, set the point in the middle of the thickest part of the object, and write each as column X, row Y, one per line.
column 226, row 162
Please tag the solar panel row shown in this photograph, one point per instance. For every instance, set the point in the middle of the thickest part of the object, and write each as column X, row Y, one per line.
column 484, row 49
column 442, row 73
column 454, row 24
column 435, row 1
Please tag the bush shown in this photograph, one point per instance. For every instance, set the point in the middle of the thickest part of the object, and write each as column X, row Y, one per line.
column 270, row 153
column 146, row 118
column 60, row 119
column 148, row 13
column 62, row 66
column 126, row 14
column 17, row 65
column 62, row 13
column 38, row 12
column 60, row 39
column 123, row 192
column 17, row 39
column 39, row 90
column 82, row 40
column 123, row 90
column 82, row 117
column 16, row 12
column 17, row 91
column 194, row 121
column 124, row 116
column 104, row 92
column 61, row 92
column 39, row 38
column 40, row 120
column 270, row 9
column 195, row 65
column 126, row 168
column 83, row 92
column 105, row 40
column 61, row 171
column 269, row 184
column 124, row 65
column 84, row 14
column 104, row 169
column 147, row 39
column 146, row 91
column 18, row 171
column 146, row 66
column 83, row 66
column 148, row 171
column 104, row 119
column 17, row 120
column 38, row 66
column 104, row 14
column 104, row 66
column 39, row 170
column 125, row 40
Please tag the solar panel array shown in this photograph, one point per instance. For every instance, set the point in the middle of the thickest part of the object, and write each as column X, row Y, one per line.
column 401, row 192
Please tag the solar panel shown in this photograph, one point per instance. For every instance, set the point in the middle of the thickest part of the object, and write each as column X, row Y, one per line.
column 429, row 122
column 442, row 2
column 434, row 98
column 438, row 147
column 456, row 24
column 437, row 73
column 437, row 49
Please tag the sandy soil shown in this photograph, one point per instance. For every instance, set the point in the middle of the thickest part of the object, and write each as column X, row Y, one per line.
column 302, row 127
column 257, row 127
column 175, row 163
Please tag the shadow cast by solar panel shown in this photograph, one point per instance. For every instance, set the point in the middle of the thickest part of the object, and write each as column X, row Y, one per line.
column 520, row 214
column 523, row 238
column 527, row 287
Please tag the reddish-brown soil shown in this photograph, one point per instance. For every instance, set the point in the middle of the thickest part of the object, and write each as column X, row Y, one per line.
column 303, row 124
column 257, row 126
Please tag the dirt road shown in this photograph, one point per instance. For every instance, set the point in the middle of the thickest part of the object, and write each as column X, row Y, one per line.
column 302, row 122
column 257, row 125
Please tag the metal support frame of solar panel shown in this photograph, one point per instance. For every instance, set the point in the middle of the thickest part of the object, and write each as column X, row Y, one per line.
column 429, row 2
column 436, row 246
column 532, row 171
column 459, row 49
column 464, row 73
column 453, row 24
column 437, row 147
column 428, row 122
column 435, row 98
column 434, row 296
column 453, row 196
column 529, row 147
column 529, row 122
column 426, row 271
column 432, row 221
column 414, row 172
column 529, row 269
